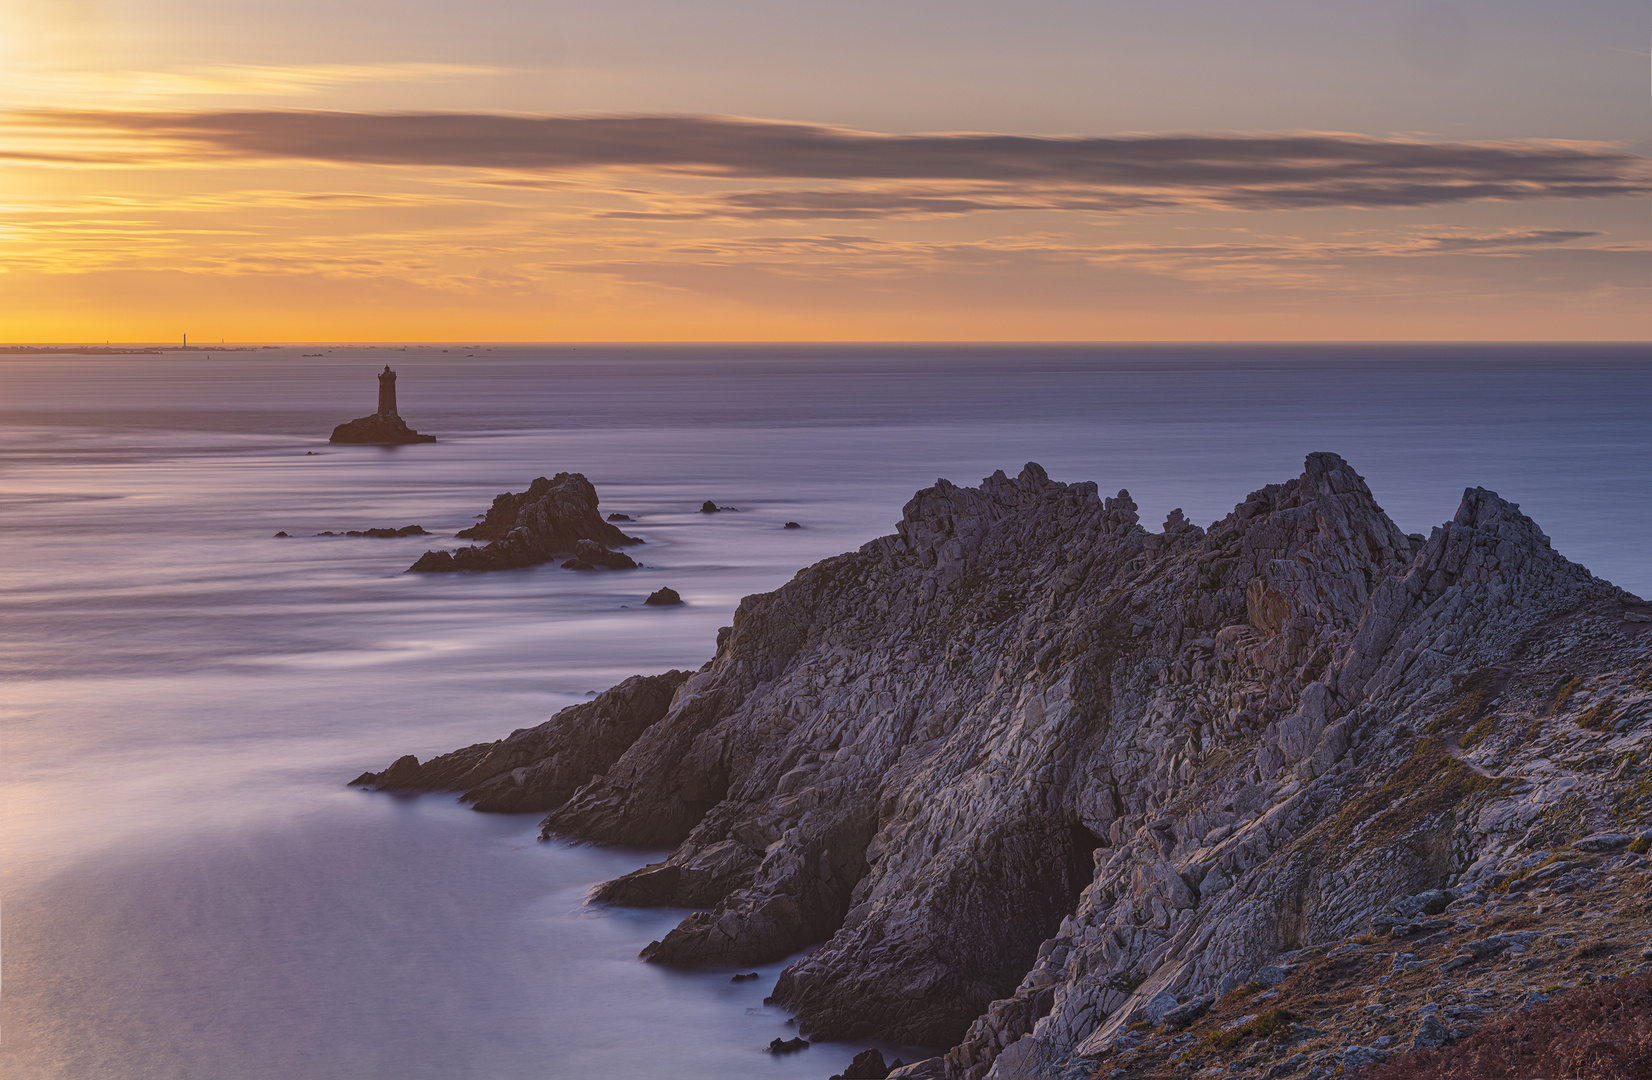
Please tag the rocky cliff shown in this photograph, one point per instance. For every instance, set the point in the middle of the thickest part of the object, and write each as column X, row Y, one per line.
column 1038, row 777
column 556, row 516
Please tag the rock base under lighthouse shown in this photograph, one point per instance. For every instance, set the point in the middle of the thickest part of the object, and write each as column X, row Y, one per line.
column 378, row 429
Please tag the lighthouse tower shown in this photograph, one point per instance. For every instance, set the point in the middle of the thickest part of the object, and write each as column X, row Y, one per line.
column 387, row 393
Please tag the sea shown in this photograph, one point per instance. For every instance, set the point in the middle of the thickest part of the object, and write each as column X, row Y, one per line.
column 190, row 890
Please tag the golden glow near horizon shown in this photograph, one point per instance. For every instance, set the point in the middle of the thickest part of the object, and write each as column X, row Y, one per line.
column 724, row 171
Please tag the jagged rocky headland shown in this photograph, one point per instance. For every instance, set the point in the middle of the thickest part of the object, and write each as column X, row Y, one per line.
column 1078, row 799
column 554, row 517
column 385, row 427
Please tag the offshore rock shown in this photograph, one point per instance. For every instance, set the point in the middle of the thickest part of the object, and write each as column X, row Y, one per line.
column 552, row 518
column 1031, row 774
column 378, row 430
column 381, row 533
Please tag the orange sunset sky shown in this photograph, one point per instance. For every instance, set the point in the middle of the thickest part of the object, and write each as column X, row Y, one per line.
column 541, row 170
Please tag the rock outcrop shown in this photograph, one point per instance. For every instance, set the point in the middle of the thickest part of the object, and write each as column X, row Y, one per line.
column 378, row 430
column 1049, row 786
column 554, row 517
column 537, row 768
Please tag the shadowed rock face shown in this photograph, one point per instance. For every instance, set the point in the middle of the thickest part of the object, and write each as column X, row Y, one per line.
column 553, row 517
column 1025, row 762
column 538, row 768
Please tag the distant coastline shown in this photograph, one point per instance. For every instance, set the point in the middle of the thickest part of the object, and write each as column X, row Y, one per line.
column 116, row 350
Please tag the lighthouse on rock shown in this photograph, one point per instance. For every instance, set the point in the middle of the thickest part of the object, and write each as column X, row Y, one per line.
column 385, row 427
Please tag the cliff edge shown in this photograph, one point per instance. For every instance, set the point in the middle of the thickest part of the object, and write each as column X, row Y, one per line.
column 1037, row 777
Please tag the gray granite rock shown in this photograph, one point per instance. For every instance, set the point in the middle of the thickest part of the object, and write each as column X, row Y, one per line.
column 1024, row 768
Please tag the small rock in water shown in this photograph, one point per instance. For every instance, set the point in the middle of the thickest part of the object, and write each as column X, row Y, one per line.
column 619, row 517
column 788, row 1046
column 663, row 598
column 283, row 532
column 744, row 978
column 709, row 507
column 791, row 525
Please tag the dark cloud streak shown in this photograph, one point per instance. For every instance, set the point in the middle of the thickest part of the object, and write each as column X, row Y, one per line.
column 1108, row 174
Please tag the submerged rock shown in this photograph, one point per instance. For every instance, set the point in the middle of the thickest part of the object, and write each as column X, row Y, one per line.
column 1028, row 774
column 788, row 1046
column 663, row 598
column 552, row 518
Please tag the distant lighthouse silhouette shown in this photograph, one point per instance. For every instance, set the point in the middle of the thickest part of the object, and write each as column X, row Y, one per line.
column 387, row 392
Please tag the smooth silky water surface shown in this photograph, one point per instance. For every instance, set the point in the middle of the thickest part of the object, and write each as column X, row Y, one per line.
column 189, row 888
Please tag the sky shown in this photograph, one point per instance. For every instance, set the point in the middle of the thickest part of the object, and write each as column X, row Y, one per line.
column 648, row 170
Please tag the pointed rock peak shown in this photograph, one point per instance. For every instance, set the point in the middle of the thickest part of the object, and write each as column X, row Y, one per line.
column 1034, row 474
column 1121, row 511
column 1481, row 508
column 1327, row 474
column 1176, row 523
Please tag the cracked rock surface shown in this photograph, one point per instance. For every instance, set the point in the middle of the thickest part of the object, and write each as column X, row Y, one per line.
column 1046, row 785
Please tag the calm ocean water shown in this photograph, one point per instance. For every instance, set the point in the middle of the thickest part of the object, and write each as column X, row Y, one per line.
column 189, row 889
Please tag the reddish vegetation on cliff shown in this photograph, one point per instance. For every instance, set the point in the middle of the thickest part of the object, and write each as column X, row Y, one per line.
column 1603, row 1032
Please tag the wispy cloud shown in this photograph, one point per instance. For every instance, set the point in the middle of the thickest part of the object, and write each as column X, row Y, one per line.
column 873, row 175
column 229, row 80
column 1504, row 241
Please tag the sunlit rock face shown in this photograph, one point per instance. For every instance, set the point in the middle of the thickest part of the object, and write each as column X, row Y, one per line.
column 1033, row 774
